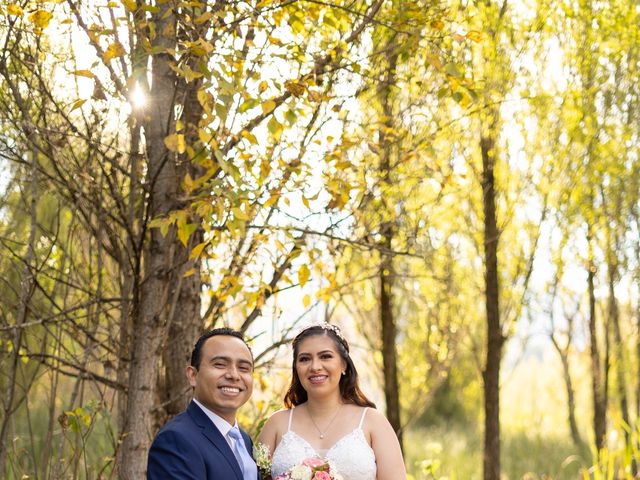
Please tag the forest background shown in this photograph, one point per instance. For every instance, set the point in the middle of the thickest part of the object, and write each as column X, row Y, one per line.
column 454, row 183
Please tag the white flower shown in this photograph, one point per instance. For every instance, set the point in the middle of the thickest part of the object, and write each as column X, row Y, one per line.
column 300, row 472
column 262, row 456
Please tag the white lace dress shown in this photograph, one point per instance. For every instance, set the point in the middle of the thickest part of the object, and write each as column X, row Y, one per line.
column 351, row 455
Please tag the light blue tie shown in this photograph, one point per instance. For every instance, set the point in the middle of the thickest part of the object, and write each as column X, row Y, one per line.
column 247, row 465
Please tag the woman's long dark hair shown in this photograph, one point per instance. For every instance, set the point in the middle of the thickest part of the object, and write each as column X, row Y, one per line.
column 349, row 388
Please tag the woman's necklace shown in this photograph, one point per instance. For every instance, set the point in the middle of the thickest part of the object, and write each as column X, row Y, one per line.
column 322, row 432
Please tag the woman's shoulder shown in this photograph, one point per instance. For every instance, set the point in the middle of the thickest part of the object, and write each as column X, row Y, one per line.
column 373, row 419
column 281, row 417
column 274, row 428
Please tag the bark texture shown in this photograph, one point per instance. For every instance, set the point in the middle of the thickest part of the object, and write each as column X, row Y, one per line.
column 495, row 338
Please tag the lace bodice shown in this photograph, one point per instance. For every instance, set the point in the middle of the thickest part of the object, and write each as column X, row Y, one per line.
column 352, row 456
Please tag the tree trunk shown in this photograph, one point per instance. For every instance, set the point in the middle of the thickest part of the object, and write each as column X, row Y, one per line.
column 599, row 411
column 389, row 354
column 563, row 352
column 156, row 293
column 638, row 345
column 638, row 357
column 27, row 282
column 387, row 273
column 571, row 401
column 185, row 321
column 614, row 318
column 495, row 338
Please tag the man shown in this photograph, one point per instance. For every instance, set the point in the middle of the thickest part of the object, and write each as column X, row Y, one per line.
column 204, row 442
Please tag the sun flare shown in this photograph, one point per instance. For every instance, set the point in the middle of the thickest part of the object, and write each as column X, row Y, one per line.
column 137, row 97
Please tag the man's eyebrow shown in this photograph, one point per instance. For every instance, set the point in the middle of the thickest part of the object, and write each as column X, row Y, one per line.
column 219, row 357
column 229, row 359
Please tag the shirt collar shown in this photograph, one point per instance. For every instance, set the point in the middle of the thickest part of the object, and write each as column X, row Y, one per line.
column 221, row 424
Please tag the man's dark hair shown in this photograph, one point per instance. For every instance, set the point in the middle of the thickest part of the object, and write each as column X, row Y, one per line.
column 196, row 354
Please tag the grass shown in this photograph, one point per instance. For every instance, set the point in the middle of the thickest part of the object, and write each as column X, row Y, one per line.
column 455, row 453
column 535, row 440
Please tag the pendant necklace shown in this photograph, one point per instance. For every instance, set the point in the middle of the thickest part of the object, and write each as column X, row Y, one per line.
column 322, row 432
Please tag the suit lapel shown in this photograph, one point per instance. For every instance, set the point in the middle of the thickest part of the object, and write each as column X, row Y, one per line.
column 210, row 431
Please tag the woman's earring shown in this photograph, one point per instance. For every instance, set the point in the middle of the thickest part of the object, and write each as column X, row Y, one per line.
column 343, row 372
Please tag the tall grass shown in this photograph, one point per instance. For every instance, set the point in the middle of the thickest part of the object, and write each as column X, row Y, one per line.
column 535, row 439
column 455, row 453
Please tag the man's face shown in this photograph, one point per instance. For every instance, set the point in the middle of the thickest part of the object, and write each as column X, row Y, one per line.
column 224, row 380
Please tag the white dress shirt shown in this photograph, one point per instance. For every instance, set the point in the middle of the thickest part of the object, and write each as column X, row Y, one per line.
column 221, row 424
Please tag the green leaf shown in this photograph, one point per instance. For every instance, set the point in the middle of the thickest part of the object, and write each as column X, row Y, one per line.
column 184, row 232
column 275, row 128
column 453, row 70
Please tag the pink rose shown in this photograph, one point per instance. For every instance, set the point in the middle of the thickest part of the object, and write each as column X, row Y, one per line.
column 322, row 476
column 313, row 463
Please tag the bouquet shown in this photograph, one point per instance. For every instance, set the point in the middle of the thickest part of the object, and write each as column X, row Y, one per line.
column 311, row 469
column 262, row 456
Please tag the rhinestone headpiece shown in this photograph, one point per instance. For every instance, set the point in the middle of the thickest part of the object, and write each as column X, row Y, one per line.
column 325, row 326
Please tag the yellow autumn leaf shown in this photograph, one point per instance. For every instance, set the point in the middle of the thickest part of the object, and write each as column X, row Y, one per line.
column 40, row 18
column 77, row 104
column 84, row 73
column 114, row 50
column 189, row 272
column 239, row 214
column 437, row 24
column 175, row 143
column 197, row 250
column 130, row 5
column 434, row 60
column 271, row 201
column 303, row 275
column 249, row 136
column 458, row 38
column 474, row 36
column 306, row 301
column 295, row 88
column 205, row 17
column 314, row 96
column 14, row 9
column 268, row 106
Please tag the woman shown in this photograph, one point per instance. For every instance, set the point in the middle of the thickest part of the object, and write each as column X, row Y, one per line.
column 328, row 416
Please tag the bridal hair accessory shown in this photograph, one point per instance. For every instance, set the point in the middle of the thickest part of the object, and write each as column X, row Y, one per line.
column 325, row 326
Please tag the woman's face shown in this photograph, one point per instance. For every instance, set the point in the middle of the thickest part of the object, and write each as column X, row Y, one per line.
column 319, row 365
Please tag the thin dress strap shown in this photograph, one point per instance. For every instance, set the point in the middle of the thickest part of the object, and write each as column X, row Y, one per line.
column 362, row 418
column 290, row 417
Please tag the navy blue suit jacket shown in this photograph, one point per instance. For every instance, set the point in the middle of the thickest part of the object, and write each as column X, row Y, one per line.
column 190, row 447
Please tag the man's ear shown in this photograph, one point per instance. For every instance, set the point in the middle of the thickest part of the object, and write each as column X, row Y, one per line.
column 192, row 372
